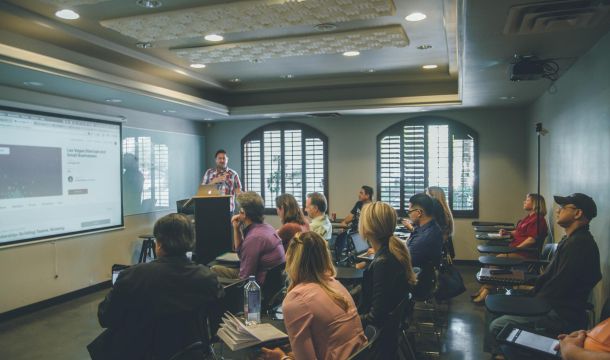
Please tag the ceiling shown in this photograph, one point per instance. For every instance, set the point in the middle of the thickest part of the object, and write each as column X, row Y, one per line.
column 283, row 58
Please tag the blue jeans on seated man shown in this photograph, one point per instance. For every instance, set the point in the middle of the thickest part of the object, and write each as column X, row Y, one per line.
column 550, row 324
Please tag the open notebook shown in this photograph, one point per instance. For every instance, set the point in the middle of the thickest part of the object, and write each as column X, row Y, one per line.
column 238, row 336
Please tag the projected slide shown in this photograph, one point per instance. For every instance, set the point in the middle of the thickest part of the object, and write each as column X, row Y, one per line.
column 58, row 175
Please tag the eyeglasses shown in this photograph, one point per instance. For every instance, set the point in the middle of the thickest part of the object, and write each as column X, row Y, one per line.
column 410, row 211
column 561, row 207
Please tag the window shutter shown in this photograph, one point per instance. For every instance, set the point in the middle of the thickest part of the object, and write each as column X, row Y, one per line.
column 252, row 166
column 293, row 164
column 389, row 170
column 161, row 174
column 438, row 157
column 414, row 161
column 272, row 149
column 314, row 166
column 463, row 174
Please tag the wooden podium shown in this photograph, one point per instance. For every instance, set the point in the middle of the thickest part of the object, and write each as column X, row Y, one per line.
column 212, row 227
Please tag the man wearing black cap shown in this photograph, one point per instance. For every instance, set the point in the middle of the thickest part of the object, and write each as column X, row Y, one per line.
column 571, row 275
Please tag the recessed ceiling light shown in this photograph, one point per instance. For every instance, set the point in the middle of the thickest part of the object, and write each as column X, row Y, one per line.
column 67, row 14
column 208, row 119
column 416, row 16
column 169, row 111
column 181, row 72
column 287, row 76
column 113, row 100
column 235, row 80
column 429, row 67
column 371, row 70
column 351, row 53
column 214, row 37
column 149, row 4
column 198, row 66
column 33, row 83
column 144, row 45
column 325, row 27
column 424, row 47
column 507, row 98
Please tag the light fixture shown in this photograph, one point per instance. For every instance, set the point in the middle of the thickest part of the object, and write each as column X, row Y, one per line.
column 149, row 4
column 33, row 83
column 198, row 66
column 325, row 27
column 169, row 111
column 181, row 72
column 424, row 47
column 113, row 100
column 416, row 16
column 429, row 67
column 214, row 37
column 208, row 119
column 67, row 14
column 351, row 53
column 287, row 76
column 235, row 80
column 144, row 45
column 507, row 97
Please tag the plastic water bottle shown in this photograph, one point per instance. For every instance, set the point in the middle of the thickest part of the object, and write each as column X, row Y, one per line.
column 252, row 302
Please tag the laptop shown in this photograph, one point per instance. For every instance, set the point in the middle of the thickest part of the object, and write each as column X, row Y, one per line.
column 208, row 190
column 116, row 270
column 361, row 247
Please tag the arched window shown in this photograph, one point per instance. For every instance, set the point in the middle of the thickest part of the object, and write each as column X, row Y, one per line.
column 285, row 157
column 429, row 151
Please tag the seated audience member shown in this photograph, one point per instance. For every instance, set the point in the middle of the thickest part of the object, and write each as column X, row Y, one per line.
column 443, row 216
column 587, row 345
column 319, row 313
column 528, row 229
column 257, row 244
column 568, row 280
column 292, row 218
column 365, row 196
column 388, row 278
column 316, row 205
column 426, row 241
column 147, row 311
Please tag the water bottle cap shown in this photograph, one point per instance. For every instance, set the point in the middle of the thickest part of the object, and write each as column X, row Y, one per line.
column 251, row 277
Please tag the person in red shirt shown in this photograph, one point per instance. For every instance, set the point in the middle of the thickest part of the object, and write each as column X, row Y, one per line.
column 530, row 230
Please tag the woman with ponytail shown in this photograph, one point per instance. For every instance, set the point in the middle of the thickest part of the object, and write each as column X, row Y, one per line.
column 319, row 313
column 389, row 277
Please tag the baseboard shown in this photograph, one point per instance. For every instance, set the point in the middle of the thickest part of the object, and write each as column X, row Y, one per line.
column 11, row 314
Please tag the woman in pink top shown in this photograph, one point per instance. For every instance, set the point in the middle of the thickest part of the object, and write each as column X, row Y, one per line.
column 319, row 313
column 292, row 218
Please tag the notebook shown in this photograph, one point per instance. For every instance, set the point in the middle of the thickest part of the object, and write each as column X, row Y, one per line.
column 229, row 257
column 238, row 336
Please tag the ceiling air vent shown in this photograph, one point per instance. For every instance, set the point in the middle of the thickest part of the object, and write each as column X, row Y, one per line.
column 323, row 115
column 550, row 16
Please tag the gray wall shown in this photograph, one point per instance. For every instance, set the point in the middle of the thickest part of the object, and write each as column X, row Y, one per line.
column 576, row 152
column 352, row 156
column 36, row 272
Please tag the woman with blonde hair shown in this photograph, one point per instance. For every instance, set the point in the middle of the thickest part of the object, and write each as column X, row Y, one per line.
column 292, row 218
column 388, row 279
column 319, row 313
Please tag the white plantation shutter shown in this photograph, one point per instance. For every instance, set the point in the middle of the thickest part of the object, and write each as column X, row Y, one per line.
column 285, row 158
column 415, row 154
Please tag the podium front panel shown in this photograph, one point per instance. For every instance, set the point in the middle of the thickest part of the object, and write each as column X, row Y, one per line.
column 212, row 227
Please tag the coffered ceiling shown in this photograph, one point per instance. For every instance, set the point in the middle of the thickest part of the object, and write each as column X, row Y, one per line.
column 287, row 57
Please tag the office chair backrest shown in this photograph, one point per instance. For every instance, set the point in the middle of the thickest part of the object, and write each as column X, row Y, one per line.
column 367, row 351
column 274, row 284
column 173, row 332
column 605, row 310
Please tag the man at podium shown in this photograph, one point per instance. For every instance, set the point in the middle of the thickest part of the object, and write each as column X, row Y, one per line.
column 227, row 179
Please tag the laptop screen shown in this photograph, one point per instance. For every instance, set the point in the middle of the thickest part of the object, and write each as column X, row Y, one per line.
column 360, row 245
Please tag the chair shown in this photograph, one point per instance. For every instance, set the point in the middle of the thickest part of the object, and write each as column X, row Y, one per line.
column 273, row 287
column 367, row 351
column 190, row 328
column 234, row 296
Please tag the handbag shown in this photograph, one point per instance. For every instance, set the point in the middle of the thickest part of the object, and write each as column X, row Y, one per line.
column 450, row 282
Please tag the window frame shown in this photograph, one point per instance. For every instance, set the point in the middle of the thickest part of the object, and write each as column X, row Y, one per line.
column 307, row 132
column 454, row 127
